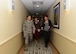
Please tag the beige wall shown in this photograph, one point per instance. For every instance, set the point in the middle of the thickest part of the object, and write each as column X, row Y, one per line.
column 67, row 20
column 11, row 23
column 63, row 45
column 11, row 26
column 12, row 46
column 67, row 27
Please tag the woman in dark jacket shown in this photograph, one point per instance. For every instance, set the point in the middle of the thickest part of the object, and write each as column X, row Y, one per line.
column 46, row 27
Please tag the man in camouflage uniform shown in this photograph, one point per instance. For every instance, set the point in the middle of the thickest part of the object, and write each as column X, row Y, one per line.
column 28, row 30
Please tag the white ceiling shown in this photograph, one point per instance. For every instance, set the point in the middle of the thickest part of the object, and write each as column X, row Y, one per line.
column 37, row 6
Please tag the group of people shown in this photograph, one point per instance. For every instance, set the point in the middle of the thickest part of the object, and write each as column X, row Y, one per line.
column 33, row 28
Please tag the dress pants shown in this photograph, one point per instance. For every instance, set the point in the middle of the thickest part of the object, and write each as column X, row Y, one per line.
column 46, row 37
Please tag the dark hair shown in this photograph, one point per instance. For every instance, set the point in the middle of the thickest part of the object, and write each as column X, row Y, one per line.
column 28, row 15
column 45, row 15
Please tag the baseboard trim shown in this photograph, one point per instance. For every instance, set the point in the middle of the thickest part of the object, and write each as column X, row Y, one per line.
column 3, row 42
column 55, row 47
column 20, row 49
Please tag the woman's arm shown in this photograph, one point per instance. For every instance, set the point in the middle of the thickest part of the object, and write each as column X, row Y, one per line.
column 33, row 27
column 50, row 24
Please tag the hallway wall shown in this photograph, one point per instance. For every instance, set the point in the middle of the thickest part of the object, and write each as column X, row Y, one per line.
column 11, row 27
column 64, row 38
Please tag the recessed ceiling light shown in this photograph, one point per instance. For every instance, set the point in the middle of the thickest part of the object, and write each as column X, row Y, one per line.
column 37, row 13
column 37, row 6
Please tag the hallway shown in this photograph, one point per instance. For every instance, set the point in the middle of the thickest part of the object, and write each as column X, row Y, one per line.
column 51, row 46
column 62, row 14
column 38, row 49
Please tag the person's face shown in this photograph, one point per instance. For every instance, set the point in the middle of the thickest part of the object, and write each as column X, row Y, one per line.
column 41, row 18
column 29, row 17
column 36, row 20
column 45, row 18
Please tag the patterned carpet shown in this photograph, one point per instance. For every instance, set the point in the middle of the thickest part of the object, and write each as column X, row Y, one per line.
column 38, row 49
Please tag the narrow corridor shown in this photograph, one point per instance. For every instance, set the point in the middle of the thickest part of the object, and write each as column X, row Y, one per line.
column 38, row 49
column 52, row 49
column 61, row 13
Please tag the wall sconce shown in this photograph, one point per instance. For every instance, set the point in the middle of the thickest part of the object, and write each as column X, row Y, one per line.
column 66, row 5
column 10, row 5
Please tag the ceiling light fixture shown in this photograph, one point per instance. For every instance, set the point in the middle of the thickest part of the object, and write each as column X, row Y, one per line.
column 36, row 13
column 37, row 6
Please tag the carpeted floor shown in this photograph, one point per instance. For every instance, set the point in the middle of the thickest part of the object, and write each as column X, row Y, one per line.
column 38, row 49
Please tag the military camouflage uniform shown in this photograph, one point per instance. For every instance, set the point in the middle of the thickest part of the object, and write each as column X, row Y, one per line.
column 28, row 30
